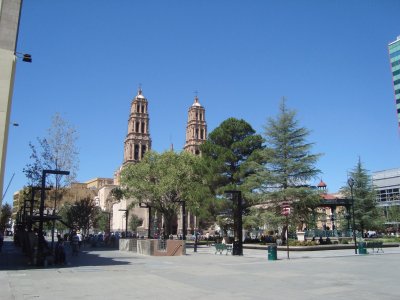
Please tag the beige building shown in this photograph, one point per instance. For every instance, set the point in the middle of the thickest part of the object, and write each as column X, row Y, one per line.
column 9, row 22
column 137, row 142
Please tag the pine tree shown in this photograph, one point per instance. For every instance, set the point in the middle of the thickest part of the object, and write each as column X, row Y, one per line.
column 289, row 166
column 366, row 213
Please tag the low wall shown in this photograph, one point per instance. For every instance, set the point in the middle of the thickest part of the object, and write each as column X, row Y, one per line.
column 128, row 245
column 150, row 247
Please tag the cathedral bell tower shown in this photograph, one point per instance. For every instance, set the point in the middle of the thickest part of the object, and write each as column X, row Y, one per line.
column 137, row 141
column 196, row 128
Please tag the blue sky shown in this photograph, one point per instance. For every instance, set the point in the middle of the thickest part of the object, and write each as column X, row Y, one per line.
column 329, row 59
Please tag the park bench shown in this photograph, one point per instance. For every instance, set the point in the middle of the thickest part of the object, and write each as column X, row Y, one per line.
column 223, row 247
column 375, row 245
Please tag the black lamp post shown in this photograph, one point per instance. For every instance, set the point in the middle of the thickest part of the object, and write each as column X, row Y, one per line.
column 40, row 258
column 236, row 197
column 126, row 221
column 350, row 182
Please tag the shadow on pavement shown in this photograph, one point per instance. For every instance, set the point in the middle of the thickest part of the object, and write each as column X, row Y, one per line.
column 12, row 258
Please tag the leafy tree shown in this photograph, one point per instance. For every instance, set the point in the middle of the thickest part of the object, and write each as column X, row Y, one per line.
column 164, row 180
column 57, row 151
column 5, row 216
column 366, row 213
column 82, row 214
column 289, row 166
column 135, row 222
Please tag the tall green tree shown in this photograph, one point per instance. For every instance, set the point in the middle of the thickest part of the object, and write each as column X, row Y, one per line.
column 289, row 166
column 366, row 213
column 164, row 180
column 229, row 155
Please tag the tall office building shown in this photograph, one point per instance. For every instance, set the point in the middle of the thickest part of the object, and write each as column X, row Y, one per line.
column 394, row 53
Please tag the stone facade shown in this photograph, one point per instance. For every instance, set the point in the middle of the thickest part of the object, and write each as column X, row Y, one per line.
column 196, row 128
column 137, row 141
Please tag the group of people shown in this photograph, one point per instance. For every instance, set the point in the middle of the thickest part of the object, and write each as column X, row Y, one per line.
column 59, row 251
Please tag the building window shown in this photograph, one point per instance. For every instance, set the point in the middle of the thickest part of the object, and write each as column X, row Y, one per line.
column 143, row 127
column 143, row 150
column 396, row 82
column 396, row 63
column 136, row 157
column 137, row 127
column 201, row 133
column 142, row 108
column 396, row 72
column 394, row 54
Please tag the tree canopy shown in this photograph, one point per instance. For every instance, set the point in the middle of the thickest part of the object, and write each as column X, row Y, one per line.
column 56, row 151
column 366, row 213
column 228, row 153
column 164, row 180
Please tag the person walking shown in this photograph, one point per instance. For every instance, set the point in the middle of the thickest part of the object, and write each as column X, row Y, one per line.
column 75, row 244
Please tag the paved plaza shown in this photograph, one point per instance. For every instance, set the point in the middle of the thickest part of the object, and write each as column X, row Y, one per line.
column 99, row 273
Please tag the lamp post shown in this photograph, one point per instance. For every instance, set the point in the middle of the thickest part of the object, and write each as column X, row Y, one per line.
column 286, row 212
column 126, row 221
column 236, row 197
column 350, row 182
column 195, row 240
column 40, row 258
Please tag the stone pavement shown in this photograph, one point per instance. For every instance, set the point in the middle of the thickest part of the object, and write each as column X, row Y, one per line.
column 99, row 273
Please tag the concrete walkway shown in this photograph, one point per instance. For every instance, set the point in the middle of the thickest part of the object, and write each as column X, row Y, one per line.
column 111, row 274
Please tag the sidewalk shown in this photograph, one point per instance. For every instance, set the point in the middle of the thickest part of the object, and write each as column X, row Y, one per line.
column 11, row 257
column 103, row 273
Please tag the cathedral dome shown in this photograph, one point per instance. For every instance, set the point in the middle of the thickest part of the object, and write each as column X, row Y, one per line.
column 196, row 102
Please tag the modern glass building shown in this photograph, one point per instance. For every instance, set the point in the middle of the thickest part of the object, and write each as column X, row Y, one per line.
column 394, row 53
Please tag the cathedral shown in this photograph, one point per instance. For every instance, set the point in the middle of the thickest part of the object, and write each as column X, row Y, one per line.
column 137, row 143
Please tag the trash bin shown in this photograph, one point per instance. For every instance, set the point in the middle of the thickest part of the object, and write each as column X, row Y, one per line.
column 362, row 248
column 237, row 248
column 272, row 252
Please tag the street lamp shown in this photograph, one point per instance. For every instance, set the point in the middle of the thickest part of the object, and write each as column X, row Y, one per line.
column 126, row 221
column 236, row 196
column 40, row 258
column 350, row 182
column 286, row 212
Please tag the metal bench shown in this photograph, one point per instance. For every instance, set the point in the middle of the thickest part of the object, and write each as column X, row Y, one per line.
column 375, row 245
column 223, row 247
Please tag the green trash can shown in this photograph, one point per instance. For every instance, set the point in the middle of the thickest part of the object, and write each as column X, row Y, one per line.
column 272, row 252
column 362, row 248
